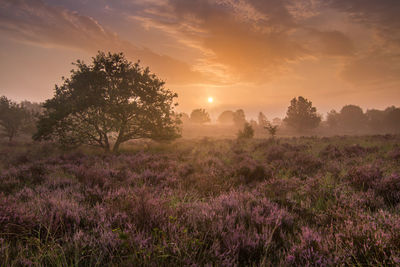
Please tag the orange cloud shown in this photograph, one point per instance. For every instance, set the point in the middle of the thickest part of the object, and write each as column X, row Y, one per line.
column 251, row 40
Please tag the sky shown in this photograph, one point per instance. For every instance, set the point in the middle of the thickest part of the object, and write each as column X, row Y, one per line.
column 251, row 54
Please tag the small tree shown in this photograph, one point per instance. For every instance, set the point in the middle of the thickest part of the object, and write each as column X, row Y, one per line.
column 247, row 132
column 111, row 100
column 200, row 116
column 272, row 129
column 12, row 118
column 301, row 115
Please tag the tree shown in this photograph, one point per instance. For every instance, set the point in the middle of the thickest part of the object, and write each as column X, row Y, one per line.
column 392, row 119
column 200, row 116
column 239, row 118
column 262, row 120
column 110, row 100
column 33, row 110
column 352, row 117
column 332, row 118
column 272, row 129
column 376, row 120
column 247, row 132
column 226, row 117
column 301, row 115
column 12, row 117
column 32, row 107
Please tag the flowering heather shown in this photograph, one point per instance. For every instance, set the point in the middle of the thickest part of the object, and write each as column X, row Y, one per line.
column 284, row 202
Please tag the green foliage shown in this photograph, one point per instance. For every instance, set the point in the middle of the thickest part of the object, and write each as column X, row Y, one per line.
column 247, row 132
column 301, row 115
column 200, row 116
column 111, row 99
column 12, row 118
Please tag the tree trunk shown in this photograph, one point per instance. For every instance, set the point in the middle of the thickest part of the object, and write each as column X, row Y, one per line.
column 119, row 138
column 106, row 143
column 116, row 146
column 107, row 148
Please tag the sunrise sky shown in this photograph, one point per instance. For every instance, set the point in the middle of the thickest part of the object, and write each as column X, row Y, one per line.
column 250, row 54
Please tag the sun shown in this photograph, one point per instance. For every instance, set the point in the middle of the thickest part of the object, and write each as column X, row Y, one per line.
column 210, row 100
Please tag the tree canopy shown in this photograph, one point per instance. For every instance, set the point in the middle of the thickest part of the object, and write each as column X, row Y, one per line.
column 200, row 116
column 352, row 117
column 301, row 115
column 226, row 117
column 109, row 101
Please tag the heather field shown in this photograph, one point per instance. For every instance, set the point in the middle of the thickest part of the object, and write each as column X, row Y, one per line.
column 204, row 202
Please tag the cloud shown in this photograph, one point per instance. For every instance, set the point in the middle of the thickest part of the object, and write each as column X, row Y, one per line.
column 379, row 65
column 381, row 16
column 331, row 43
column 247, row 40
column 376, row 68
column 35, row 22
column 236, row 41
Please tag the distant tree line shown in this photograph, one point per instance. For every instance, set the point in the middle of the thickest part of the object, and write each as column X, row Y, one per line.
column 352, row 119
column 302, row 118
column 17, row 118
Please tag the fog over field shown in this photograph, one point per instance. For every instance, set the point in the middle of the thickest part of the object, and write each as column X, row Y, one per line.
column 199, row 133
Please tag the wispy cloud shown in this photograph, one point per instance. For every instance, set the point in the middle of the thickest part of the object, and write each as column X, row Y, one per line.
column 246, row 40
column 35, row 22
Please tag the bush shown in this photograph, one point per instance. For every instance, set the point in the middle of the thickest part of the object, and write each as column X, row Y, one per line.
column 389, row 189
column 331, row 152
column 247, row 132
column 365, row 177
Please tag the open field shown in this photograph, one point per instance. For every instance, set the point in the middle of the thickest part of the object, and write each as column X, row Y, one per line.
column 290, row 201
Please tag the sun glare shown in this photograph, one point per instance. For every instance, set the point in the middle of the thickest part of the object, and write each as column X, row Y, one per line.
column 210, row 100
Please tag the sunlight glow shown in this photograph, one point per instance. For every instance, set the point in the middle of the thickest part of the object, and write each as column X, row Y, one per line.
column 210, row 100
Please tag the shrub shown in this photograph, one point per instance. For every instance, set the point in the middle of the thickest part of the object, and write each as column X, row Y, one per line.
column 303, row 164
column 395, row 154
column 354, row 150
column 247, row 132
column 389, row 189
column 331, row 152
column 250, row 171
column 365, row 177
